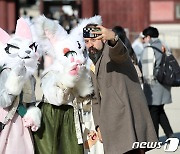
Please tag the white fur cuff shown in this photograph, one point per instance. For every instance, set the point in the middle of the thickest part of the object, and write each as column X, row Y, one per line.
column 34, row 113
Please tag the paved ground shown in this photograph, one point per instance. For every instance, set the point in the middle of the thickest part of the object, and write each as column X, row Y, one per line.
column 173, row 113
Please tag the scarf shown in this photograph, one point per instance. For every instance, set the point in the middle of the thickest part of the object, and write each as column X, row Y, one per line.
column 148, row 62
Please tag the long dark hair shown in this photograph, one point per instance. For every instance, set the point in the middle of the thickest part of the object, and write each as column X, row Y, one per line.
column 122, row 35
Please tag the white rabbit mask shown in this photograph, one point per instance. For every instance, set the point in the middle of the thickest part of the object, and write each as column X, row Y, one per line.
column 70, row 60
column 66, row 50
column 19, row 48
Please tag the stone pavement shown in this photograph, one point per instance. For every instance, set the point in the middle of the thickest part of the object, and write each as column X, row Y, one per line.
column 172, row 110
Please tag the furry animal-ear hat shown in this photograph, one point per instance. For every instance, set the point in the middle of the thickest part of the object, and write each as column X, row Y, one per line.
column 78, row 30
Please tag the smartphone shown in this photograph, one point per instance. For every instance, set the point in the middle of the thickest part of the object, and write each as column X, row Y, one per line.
column 87, row 32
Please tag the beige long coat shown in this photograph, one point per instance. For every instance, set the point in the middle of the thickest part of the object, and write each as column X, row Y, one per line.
column 121, row 108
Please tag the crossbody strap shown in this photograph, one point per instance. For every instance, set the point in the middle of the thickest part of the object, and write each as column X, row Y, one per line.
column 12, row 110
column 157, row 49
column 13, row 107
column 10, row 114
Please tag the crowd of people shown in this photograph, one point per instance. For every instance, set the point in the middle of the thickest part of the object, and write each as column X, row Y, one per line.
column 100, row 94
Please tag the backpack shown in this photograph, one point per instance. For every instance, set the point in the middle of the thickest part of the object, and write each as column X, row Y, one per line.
column 168, row 72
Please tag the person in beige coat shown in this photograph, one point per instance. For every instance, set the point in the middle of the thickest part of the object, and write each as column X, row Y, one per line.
column 121, row 114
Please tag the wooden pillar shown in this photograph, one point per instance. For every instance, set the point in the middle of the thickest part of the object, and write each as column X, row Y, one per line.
column 3, row 14
column 11, row 16
column 87, row 8
column 8, row 15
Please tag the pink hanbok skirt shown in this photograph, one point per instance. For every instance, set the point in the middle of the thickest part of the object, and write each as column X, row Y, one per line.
column 15, row 138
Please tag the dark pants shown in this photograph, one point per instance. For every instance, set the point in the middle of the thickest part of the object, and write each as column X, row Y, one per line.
column 158, row 116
